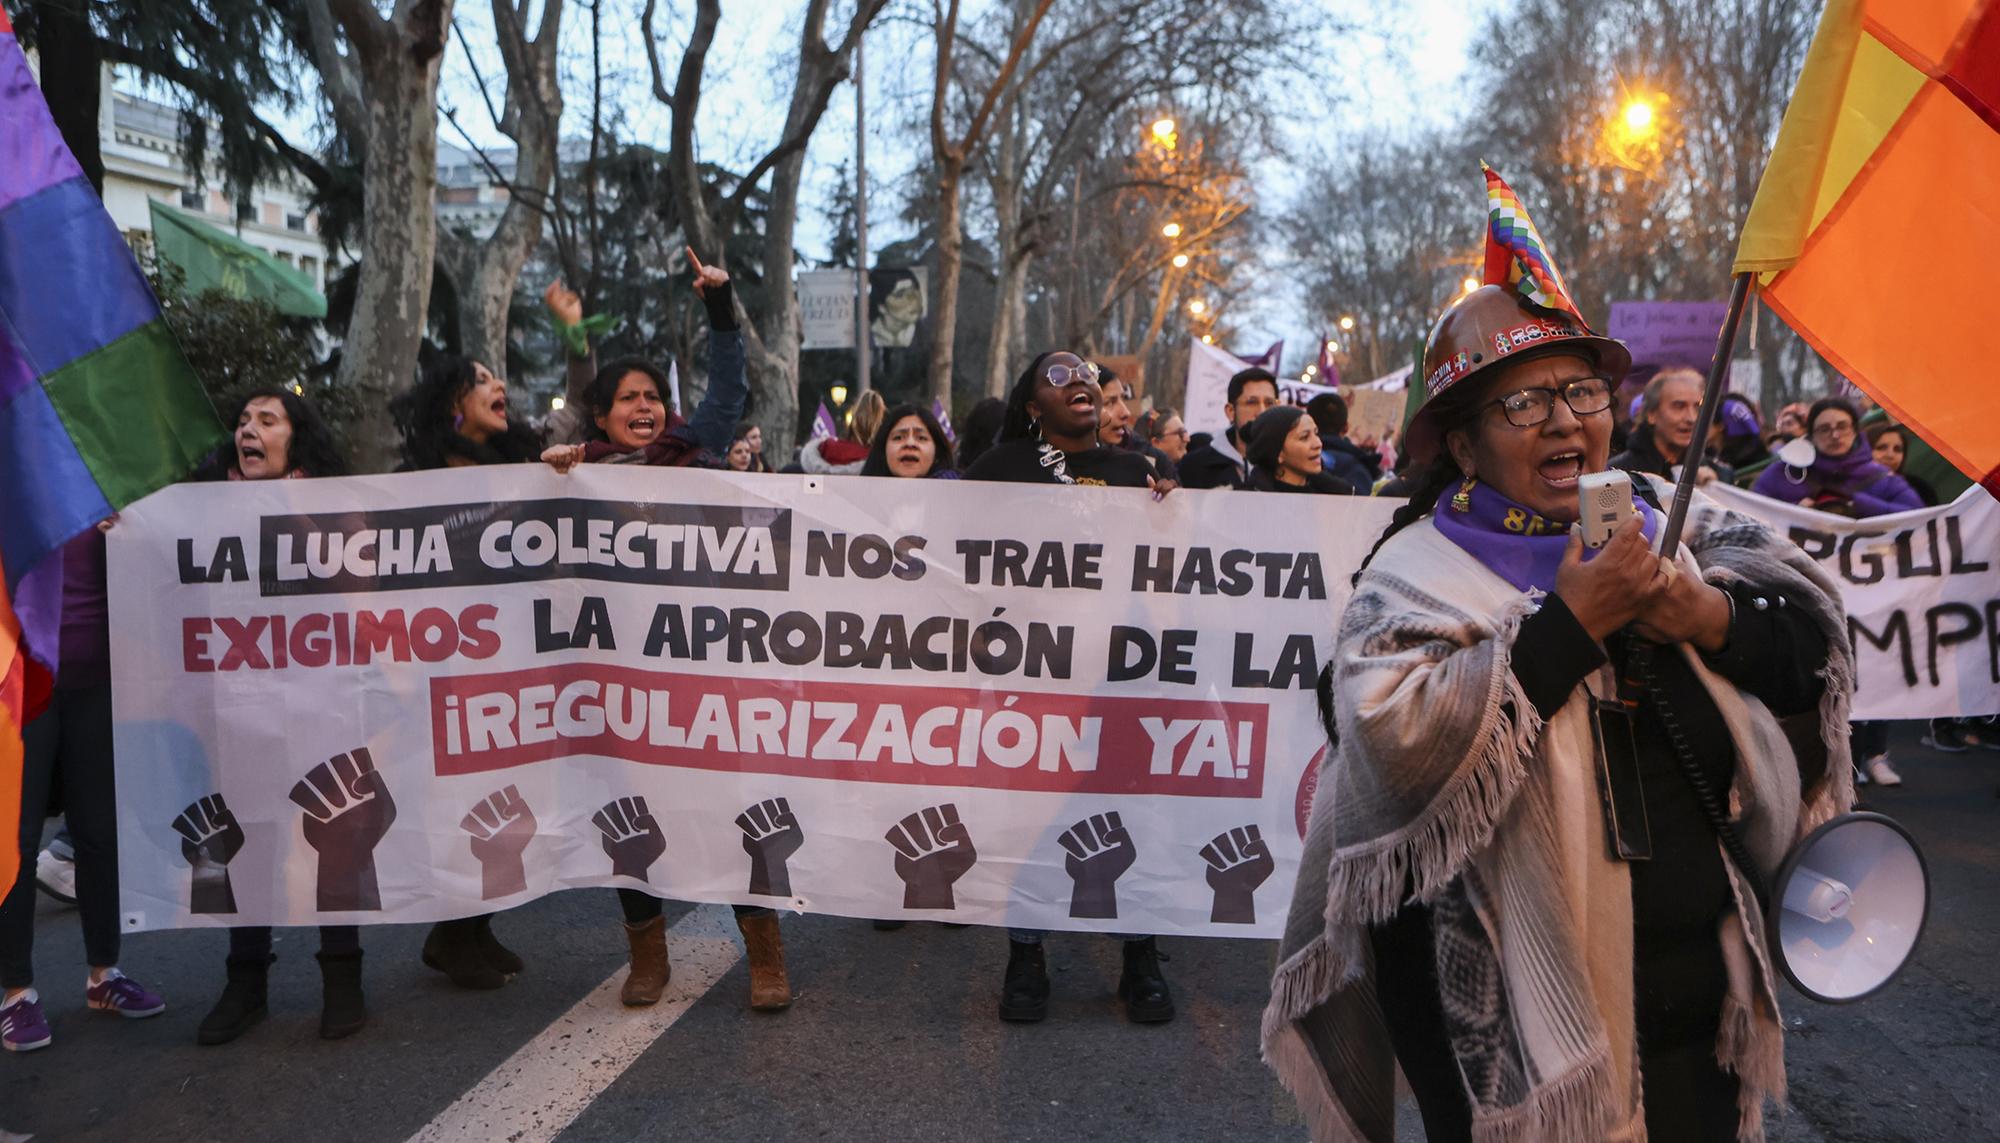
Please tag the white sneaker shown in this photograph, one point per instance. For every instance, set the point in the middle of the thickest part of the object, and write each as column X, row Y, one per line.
column 1881, row 774
column 56, row 876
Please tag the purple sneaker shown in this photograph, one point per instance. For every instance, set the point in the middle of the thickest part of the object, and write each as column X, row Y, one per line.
column 127, row 997
column 23, row 1028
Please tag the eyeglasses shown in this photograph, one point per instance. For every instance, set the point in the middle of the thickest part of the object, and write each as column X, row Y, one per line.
column 1832, row 432
column 1060, row 375
column 1181, row 432
column 1526, row 408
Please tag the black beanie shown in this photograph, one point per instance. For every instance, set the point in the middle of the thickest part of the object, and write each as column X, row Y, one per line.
column 1267, row 435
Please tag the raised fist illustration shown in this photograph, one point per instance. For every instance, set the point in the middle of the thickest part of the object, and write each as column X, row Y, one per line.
column 932, row 851
column 1238, row 862
column 348, row 810
column 770, row 836
column 1100, row 851
column 209, row 838
column 632, row 838
column 501, row 825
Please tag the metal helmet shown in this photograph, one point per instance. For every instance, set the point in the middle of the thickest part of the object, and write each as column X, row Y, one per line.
column 1484, row 330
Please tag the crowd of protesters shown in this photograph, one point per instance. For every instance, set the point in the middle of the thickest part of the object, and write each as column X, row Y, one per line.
column 1066, row 421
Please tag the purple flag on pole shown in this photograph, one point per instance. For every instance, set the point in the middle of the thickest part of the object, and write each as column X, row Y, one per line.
column 943, row 416
column 824, row 426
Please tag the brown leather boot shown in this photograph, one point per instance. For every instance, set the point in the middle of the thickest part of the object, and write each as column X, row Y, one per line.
column 765, row 948
column 650, row 970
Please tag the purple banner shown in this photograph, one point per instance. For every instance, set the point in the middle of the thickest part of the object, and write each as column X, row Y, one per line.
column 1662, row 334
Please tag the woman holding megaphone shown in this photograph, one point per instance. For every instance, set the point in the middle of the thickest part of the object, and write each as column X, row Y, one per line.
column 1510, row 886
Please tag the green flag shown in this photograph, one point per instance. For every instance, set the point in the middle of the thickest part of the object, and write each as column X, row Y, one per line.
column 214, row 259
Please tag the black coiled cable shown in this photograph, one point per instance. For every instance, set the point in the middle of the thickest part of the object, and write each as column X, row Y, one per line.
column 1639, row 663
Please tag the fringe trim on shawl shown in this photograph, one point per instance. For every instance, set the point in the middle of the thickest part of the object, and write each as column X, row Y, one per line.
column 1303, row 982
column 1577, row 1106
column 1753, row 1049
column 1369, row 883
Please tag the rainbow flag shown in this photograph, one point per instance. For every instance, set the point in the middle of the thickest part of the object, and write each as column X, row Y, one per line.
column 1516, row 255
column 97, row 405
column 1876, row 227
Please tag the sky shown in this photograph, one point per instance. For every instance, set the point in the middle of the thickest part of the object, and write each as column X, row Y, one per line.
column 1403, row 67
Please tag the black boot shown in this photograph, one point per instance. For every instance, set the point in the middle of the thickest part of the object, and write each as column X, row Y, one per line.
column 342, row 1011
column 1141, row 987
column 1024, row 995
column 243, row 1002
column 496, row 954
column 453, row 949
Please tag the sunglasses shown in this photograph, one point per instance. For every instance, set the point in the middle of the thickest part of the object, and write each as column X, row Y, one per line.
column 1060, row 375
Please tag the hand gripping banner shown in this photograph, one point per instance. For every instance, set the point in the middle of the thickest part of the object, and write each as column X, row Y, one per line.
column 412, row 697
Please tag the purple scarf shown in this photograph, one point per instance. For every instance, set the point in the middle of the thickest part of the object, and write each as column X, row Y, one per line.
column 1849, row 474
column 1513, row 542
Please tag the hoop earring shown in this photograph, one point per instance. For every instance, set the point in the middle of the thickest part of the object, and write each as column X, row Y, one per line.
column 1461, row 501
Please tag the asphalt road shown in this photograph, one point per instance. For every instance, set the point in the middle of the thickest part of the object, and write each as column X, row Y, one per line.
column 893, row 1034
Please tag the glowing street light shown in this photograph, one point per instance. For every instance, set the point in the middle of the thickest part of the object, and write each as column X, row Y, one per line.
column 1165, row 132
column 555, row 404
column 1347, row 322
column 1332, row 346
column 839, row 394
column 298, row 388
column 1197, row 307
column 1470, row 284
column 1208, row 339
column 1638, row 117
column 1171, row 230
column 1180, row 261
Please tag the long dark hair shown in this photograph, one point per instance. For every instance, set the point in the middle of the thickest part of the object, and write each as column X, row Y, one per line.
column 427, row 416
column 602, row 391
column 980, row 430
column 313, row 450
column 877, row 463
column 1455, row 410
column 1018, row 425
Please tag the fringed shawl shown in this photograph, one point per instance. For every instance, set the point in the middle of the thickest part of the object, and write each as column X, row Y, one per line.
column 1446, row 787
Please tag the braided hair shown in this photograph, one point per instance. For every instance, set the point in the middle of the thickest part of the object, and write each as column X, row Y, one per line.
column 1454, row 410
column 1018, row 425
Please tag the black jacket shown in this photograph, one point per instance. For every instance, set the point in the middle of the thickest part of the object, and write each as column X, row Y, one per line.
column 1208, row 465
column 1324, row 483
column 1642, row 455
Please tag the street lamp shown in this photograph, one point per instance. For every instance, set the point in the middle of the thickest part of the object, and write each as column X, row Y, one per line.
column 1180, row 261
column 1470, row 284
column 1332, row 346
column 1346, row 322
column 1208, row 339
column 555, row 404
column 839, row 394
column 1197, row 307
column 1165, row 133
column 1171, row 230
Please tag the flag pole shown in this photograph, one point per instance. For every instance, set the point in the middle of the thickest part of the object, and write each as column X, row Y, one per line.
column 1711, row 401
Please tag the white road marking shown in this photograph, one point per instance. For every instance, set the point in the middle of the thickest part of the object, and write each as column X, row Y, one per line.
column 540, row 1090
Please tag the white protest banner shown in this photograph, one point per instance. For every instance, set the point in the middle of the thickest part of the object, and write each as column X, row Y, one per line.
column 1299, row 392
column 1922, row 594
column 404, row 698
column 1208, row 374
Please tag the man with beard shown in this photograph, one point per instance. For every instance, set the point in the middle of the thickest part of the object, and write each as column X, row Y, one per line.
column 1218, row 462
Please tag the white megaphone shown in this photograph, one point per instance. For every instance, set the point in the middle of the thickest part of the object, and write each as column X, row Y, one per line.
column 1848, row 908
column 1798, row 452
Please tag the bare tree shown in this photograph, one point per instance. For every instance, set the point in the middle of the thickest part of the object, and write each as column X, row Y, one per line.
column 950, row 154
column 771, row 336
column 486, row 269
column 381, row 73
